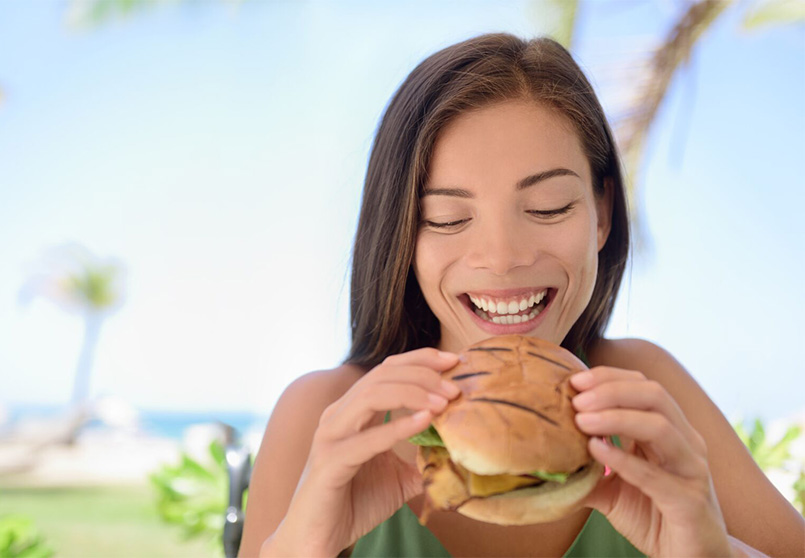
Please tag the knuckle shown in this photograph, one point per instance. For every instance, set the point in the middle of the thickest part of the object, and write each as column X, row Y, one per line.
column 663, row 427
column 391, row 360
column 637, row 375
column 647, row 474
column 430, row 352
column 702, row 467
column 700, row 444
column 699, row 499
column 655, row 390
column 328, row 413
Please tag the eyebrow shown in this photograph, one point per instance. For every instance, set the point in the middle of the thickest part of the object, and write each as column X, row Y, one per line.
column 521, row 184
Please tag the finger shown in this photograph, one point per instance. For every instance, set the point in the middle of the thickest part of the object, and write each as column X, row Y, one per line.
column 626, row 394
column 648, row 395
column 427, row 356
column 605, row 494
column 358, row 409
column 664, row 489
column 423, row 376
column 659, row 437
column 593, row 377
column 362, row 447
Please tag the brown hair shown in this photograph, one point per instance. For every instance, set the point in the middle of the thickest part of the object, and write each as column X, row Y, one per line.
column 389, row 315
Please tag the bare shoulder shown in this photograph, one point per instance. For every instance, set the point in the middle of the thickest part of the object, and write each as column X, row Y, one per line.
column 320, row 388
column 285, row 447
column 755, row 512
column 631, row 353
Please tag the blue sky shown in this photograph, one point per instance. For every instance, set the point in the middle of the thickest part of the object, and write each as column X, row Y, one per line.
column 218, row 151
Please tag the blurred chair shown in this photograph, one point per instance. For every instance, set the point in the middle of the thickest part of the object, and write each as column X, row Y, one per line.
column 239, row 467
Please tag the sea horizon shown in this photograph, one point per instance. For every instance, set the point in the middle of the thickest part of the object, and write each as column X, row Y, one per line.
column 159, row 422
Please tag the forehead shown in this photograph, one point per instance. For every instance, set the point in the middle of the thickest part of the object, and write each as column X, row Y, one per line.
column 504, row 142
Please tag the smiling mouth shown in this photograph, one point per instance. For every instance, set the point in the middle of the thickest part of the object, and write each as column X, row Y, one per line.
column 512, row 310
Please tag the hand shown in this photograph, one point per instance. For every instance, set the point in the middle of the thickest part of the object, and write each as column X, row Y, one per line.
column 660, row 494
column 353, row 481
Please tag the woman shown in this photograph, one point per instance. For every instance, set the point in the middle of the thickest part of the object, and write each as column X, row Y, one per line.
column 494, row 180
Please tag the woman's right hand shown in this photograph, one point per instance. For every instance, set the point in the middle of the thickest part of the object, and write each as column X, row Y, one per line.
column 352, row 480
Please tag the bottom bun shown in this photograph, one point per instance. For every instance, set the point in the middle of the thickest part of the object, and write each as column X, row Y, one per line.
column 539, row 504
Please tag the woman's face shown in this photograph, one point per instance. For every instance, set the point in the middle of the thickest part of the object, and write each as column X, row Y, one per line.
column 510, row 228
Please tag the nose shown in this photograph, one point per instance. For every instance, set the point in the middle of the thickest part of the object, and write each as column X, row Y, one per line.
column 501, row 247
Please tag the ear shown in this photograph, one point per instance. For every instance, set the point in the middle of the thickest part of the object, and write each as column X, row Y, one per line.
column 604, row 211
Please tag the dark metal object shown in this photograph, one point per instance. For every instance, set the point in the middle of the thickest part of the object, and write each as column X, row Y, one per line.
column 239, row 467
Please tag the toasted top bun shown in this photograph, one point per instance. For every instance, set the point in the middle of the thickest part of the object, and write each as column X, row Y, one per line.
column 514, row 415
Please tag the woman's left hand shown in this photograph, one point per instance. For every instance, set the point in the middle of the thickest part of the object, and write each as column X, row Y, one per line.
column 660, row 494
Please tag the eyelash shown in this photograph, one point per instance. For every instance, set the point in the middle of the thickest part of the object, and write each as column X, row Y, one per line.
column 447, row 225
column 551, row 212
column 542, row 214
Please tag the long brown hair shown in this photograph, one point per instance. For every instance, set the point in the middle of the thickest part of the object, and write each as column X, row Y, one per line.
column 389, row 315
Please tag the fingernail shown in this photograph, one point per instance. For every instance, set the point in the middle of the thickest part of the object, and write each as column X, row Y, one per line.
column 582, row 379
column 447, row 356
column 587, row 419
column 450, row 389
column 600, row 443
column 437, row 401
column 420, row 416
column 583, row 400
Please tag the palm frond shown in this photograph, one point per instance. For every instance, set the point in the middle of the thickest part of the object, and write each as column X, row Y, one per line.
column 76, row 280
column 775, row 12
column 555, row 18
column 632, row 127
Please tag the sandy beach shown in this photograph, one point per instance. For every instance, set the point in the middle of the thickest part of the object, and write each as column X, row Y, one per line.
column 97, row 457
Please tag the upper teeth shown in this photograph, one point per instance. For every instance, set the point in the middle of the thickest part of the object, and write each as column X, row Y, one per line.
column 509, row 305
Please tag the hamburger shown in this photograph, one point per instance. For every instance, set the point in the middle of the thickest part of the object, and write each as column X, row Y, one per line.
column 507, row 450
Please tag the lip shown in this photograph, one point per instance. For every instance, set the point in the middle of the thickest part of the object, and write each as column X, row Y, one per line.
column 505, row 329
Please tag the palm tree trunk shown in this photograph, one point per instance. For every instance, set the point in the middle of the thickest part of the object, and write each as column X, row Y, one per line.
column 92, row 328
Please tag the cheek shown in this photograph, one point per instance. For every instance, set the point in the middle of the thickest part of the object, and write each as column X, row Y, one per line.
column 578, row 246
column 427, row 264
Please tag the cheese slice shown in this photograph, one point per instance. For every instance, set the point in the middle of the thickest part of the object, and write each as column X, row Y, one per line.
column 449, row 485
column 487, row 485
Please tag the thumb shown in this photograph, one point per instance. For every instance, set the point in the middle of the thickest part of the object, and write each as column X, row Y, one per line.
column 605, row 494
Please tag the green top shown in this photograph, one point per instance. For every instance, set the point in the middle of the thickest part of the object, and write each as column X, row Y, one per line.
column 401, row 536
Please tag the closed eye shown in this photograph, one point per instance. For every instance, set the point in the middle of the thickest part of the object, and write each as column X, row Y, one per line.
column 548, row 213
column 445, row 225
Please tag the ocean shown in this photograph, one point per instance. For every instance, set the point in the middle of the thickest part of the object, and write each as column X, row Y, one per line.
column 154, row 422
column 171, row 424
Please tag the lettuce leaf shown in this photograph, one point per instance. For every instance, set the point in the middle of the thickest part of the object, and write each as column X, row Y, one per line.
column 561, row 478
column 428, row 437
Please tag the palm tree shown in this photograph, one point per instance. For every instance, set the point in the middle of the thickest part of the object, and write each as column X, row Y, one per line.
column 634, row 125
column 78, row 282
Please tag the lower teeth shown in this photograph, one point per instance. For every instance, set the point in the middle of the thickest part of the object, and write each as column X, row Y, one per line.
column 509, row 319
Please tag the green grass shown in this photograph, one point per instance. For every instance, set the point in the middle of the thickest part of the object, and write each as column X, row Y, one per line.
column 100, row 522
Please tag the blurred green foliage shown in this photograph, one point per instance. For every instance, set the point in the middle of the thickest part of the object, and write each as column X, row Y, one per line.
column 776, row 455
column 775, row 12
column 767, row 455
column 102, row 521
column 94, row 287
column 194, row 496
column 799, row 491
column 19, row 538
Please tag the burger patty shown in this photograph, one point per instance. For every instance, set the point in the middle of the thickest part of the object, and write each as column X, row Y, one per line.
column 448, row 485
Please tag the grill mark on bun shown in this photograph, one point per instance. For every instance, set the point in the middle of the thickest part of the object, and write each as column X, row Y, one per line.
column 489, row 349
column 470, row 375
column 557, row 363
column 516, row 405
